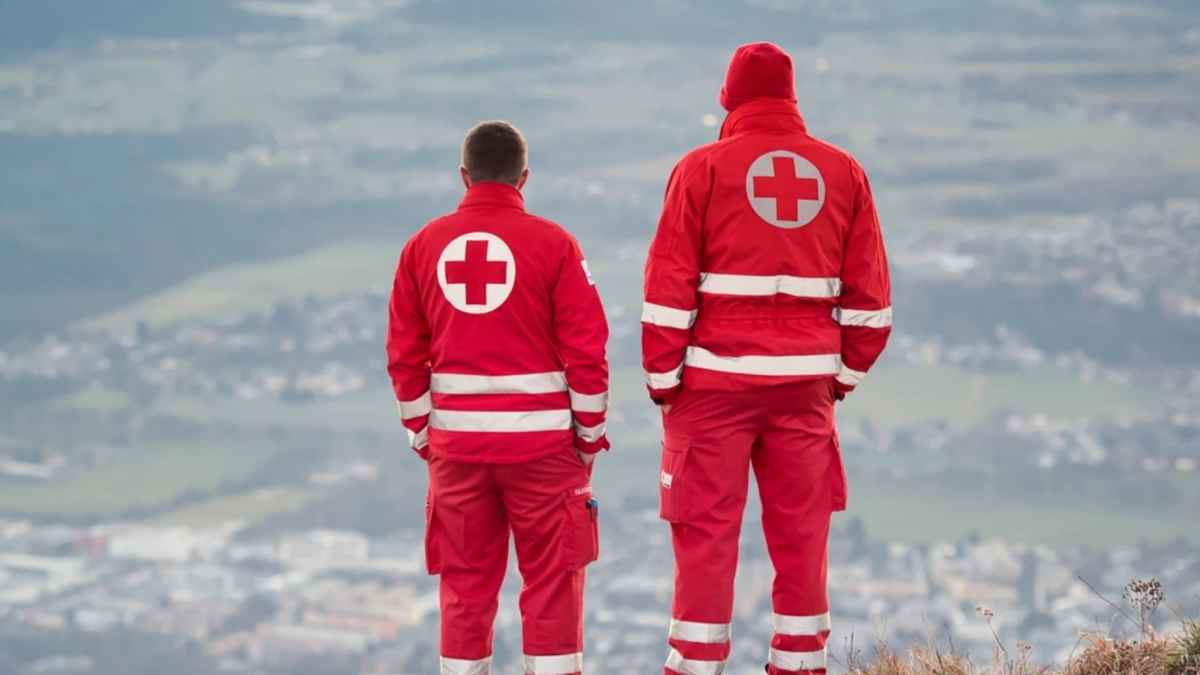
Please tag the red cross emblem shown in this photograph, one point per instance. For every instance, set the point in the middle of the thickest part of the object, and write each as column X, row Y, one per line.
column 476, row 272
column 785, row 189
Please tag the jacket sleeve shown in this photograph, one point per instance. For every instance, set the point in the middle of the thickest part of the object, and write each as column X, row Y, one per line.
column 671, row 281
column 408, row 354
column 581, row 336
column 865, row 306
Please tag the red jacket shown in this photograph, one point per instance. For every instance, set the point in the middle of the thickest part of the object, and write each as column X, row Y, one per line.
column 768, row 265
column 496, row 338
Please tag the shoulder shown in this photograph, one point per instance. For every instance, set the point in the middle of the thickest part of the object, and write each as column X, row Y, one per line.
column 417, row 242
column 556, row 236
column 696, row 161
column 855, row 169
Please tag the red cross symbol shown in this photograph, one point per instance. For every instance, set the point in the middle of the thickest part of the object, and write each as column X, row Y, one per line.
column 786, row 188
column 476, row 272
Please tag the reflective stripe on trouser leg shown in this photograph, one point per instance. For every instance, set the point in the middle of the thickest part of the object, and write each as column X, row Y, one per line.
column 466, row 666
column 799, row 643
column 698, row 645
column 560, row 664
column 681, row 666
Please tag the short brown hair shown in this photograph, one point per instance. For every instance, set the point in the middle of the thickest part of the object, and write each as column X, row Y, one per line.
column 494, row 151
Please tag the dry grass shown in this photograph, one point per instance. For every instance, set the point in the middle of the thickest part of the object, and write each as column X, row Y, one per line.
column 1104, row 656
column 1186, row 657
column 1099, row 656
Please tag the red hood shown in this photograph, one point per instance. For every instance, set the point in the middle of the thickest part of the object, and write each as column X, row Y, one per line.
column 758, row 70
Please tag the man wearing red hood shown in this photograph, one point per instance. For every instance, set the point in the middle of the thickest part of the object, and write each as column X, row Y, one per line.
column 767, row 299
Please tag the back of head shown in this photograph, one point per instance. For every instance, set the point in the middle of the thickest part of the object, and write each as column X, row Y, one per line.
column 495, row 151
column 758, row 70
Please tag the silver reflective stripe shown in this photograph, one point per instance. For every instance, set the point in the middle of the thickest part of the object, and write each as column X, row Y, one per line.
column 589, row 434
column 751, row 284
column 531, row 383
column 415, row 408
column 596, row 403
column 797, row 660
column 871, row 318
column 850, row 377
column 695, row 631
column 562, row 664
column 418, row 439
column 801, row 625
column 666, row 380
column 668, row 317
column 677, row 663
column 810, row 364
column 479, row 420
column 465, row 666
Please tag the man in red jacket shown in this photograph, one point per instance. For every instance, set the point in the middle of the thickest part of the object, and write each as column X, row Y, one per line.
column 767, row 299
column 496, row 350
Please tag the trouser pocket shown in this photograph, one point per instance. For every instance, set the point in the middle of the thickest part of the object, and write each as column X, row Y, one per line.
column 433, row 552
column 672, row 496
column 838, row 484
column 581, row 529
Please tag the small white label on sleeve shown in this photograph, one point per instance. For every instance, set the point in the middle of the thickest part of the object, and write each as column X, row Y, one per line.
column 587, row 272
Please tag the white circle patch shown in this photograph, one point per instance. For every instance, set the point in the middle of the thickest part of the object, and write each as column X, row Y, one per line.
column 785, row 189
column 476, row 272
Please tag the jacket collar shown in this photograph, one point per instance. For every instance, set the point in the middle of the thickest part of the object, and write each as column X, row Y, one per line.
column 490, row 193
column 764, row 114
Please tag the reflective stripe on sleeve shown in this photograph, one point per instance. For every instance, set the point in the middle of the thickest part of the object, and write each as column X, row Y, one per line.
column 668, row 317
column 797, row 660
column 850, row 377
column 677, row 663
column 561, row 664
column 810, row 364
column 871, row 318
column 666, row 380
column 801, row 625
column 589, row 434
column 418, row 439
column 500, row 422
column 466, row 666
column 415, row 408
column 593, row 403
column 530, row 383
column 750, row 284
column 695, row 631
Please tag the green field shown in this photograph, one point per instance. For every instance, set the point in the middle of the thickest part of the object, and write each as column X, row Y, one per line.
column 137, row 478
column 343, row 268
column 249, row 507
column 926, row 509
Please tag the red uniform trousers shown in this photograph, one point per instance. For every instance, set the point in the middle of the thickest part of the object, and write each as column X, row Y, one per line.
column 712, row 439
column 547, row 504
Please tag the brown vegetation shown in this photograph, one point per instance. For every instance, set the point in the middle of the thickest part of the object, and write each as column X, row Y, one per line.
column 1097, row 654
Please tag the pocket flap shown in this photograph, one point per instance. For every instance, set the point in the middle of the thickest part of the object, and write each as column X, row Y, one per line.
column 671, row 487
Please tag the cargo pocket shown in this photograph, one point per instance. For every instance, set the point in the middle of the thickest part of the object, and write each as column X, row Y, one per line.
column 433, row 552
column 581, row 529
column 672, row 505
column 838, row 485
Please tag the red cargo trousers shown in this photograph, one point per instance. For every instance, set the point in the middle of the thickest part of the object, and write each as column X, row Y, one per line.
column 786, row 433
column 547, row 504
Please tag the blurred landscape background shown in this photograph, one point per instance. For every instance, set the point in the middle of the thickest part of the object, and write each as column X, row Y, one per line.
column 202, row 203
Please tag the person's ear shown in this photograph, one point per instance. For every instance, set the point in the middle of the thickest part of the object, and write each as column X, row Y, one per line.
column 466, row 177
column 524, row 177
